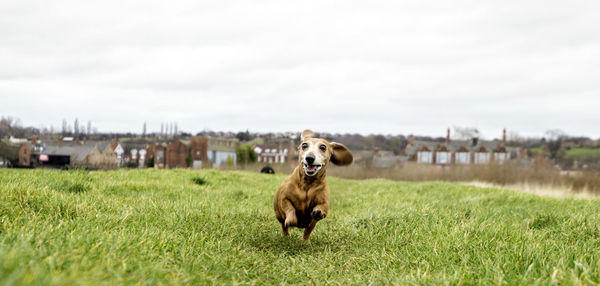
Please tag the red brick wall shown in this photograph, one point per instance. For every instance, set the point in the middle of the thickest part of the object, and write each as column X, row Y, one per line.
column 199, row 148
column 24, row 155
column 176, row 154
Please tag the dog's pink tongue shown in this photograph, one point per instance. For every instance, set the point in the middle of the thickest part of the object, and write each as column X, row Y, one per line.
column 311, row 168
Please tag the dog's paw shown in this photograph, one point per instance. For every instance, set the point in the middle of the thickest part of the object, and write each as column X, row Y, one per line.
column 317, row 214
column 291, row 221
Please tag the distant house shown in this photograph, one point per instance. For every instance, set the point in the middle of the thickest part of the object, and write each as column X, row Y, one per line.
column 176, row 154
column 157, row 152
column 133, row 154
column 376, row 158
column 104, row 155
column 25, row 154
column 273, row 153
column 195, row 152
column 460, row 152
column 219, row 150
column 198, row 151
column 17, row 141
column 383, row 159
column 95, row 154
column 119, row 151
column 184, row 153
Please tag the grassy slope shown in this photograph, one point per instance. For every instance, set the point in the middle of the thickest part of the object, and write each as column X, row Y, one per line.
column 583, row 152
column 160, row 227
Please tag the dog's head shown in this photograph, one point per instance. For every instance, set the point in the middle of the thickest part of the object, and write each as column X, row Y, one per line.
column 316, row 153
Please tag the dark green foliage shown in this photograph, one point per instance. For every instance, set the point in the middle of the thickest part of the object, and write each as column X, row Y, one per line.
column 198, row 180
column 188, row 160
column 542, row 221
column 150, row 162
column 9, row 152
column 243, row 136
column 245, row 154
column 131, row 164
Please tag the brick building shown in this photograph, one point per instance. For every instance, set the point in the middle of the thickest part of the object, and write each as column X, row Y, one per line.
column 474, row 151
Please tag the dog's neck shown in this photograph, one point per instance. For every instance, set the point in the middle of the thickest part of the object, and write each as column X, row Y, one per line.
column 307, row 182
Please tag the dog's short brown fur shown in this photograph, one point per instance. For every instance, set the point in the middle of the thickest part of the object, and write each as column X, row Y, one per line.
column 303, row 197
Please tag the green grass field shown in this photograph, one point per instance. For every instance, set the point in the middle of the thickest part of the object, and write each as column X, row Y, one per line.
column 583, row 152
column 212, row 227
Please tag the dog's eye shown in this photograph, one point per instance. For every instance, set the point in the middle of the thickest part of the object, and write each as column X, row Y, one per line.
column 323, row 147
column 304, row 146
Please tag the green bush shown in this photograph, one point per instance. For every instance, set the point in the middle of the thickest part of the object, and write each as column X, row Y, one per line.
column 245, row 154
column 230, row 161
column 188, row 160
column 199, row 180
column 131, row 164
column 150, row 162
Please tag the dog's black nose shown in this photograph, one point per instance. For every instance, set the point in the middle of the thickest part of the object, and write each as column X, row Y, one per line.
column 309, row 159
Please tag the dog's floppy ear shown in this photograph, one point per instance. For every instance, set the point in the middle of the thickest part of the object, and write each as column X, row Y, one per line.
column 341, row 155
column 307, row 134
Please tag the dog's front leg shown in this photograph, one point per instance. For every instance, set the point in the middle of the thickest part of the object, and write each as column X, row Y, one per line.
column 319, row 212
column 308, row 230
column 290, row 213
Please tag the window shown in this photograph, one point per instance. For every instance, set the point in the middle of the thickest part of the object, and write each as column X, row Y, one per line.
column 482, row 158
column 443, row 157
column 425, row 157
column 500, row 157
column 462, row 158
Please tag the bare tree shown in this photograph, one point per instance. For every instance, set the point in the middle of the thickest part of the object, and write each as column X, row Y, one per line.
column 554, row 141
column 76, row 127
column 6, row 126
column 513, row 136
column 64, row 128
column 465, row 133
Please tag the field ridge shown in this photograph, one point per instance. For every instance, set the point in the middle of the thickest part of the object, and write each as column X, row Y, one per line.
column 217, row 227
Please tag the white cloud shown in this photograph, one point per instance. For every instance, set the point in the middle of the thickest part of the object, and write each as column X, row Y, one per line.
column 369, row 67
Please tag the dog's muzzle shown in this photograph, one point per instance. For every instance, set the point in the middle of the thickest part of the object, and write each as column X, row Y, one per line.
column 311, row 170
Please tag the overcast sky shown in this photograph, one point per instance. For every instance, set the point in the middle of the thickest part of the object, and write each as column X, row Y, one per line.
column 390, row 67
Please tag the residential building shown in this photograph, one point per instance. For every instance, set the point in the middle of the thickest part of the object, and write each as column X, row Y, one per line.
column 220, row 150
column 460, row 152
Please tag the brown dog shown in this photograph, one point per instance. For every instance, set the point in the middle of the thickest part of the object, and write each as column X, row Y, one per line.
column 303, row 197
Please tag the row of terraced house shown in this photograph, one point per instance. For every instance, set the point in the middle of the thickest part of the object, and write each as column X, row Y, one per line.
column 462, row 152
column 196, row 152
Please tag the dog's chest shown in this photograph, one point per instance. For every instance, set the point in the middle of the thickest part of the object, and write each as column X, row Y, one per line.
column 301, row 200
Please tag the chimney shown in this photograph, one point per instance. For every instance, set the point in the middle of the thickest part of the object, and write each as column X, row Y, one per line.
column 475, row 138
column 447, row 135
column 504, row 136
column 411, row 139
column 34, row 140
